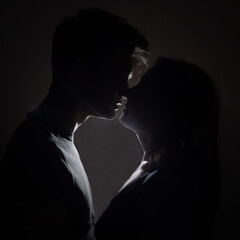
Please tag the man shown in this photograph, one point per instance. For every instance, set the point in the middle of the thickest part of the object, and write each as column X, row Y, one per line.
column 44, row 188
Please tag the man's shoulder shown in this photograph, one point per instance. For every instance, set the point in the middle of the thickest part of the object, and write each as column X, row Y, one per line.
column 31, row 138
column 28, row 131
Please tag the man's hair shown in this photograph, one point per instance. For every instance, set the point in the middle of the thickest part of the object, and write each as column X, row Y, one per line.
column 94, row 32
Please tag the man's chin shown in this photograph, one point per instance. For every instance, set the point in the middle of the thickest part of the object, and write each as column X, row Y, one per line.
column 106, row 115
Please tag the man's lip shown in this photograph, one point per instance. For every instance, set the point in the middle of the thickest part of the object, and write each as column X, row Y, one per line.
column 119, row 100
column 116, row 105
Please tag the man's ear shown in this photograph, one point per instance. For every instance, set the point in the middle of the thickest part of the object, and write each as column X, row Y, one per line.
column 81, row 68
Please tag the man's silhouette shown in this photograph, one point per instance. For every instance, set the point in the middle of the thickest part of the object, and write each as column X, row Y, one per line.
column 44, row 188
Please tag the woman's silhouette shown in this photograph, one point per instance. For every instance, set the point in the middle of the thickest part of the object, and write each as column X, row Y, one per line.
column 174, row 193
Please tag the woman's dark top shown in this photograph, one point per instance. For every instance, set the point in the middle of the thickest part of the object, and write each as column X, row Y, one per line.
column 176, row 201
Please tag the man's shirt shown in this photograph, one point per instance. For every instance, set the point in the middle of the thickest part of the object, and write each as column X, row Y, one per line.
column 44, row 188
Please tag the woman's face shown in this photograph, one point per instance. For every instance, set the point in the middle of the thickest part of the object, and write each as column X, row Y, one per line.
column 144, row 110
column 171, row 100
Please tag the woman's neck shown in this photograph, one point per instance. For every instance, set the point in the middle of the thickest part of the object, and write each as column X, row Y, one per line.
column 157, row 151
column 146, row 140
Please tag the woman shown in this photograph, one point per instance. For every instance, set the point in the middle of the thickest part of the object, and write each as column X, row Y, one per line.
column 174, row 193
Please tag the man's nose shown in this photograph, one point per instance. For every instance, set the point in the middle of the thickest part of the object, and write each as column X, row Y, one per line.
column 126, row 93
column 124, row 89
column 131, row 92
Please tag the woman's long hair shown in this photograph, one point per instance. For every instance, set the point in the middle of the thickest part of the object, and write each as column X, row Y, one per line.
column 191, row 128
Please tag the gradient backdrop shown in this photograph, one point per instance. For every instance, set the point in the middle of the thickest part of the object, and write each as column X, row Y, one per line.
column 203, row 32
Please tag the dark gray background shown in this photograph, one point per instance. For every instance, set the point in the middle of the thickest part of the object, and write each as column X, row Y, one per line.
column 203, row 32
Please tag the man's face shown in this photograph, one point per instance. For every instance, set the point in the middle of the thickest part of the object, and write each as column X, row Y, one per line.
column 106, row 84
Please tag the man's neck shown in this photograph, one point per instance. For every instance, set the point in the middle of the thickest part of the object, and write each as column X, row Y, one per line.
column 62, row 112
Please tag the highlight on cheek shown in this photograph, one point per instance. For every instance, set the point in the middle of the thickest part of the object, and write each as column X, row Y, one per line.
column 130, row 75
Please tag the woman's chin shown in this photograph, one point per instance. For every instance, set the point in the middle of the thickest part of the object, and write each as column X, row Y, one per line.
column 122, row 119
column 126, row 121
